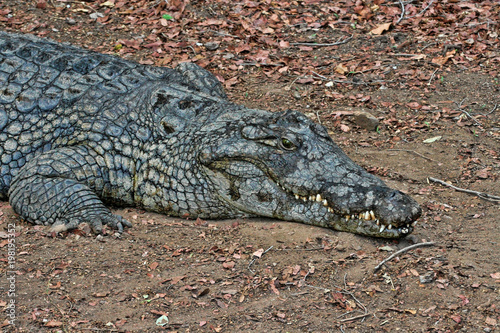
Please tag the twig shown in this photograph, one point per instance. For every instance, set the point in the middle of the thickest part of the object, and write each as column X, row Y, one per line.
column 492, row 110
column 466, row 113
column 482, row 195
column 413, row 152
column 320, row 76
column 348, row 82
column 324, row 44
column 255, row 258
column 401, row 251
column 355, row 317
column 402, row 11
column 432, row 76
column 404, row 55
column 317, row 116
column 422, row 11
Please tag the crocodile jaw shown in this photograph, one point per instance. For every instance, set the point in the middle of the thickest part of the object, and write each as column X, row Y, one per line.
column 258, row 194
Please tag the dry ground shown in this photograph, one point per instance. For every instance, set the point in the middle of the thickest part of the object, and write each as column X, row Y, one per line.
column 202, row 274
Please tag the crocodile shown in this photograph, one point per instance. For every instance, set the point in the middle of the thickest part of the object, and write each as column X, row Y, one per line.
column 81, row 131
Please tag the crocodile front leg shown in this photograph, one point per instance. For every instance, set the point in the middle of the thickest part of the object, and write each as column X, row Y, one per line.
column 60, row 187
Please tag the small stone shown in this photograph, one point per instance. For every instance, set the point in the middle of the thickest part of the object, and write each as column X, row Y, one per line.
column 427, row 278
column 366, row 120
column 71, row 21
column 212, row 46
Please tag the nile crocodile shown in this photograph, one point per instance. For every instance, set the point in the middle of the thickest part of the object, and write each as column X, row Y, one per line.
column 79, row 129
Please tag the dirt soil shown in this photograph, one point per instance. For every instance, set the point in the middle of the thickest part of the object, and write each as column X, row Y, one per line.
column 260, row 275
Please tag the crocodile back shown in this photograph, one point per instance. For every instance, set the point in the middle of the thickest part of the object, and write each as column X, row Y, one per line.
column 48, row 88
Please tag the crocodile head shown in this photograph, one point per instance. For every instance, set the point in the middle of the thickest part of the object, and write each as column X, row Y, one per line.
column 284, row 166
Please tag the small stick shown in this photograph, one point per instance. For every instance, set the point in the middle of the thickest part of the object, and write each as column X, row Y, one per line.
column 255, row 258
column 432, row 76
column 423, row 10
column 482, row 195
column 402, row 251
column 492, row 110
column 324, row 44
column 402, row 11
column 413, row 152
column 355, row 317
column 471, row 117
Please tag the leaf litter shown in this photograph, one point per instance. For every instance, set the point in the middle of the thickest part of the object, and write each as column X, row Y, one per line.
column 407, row 64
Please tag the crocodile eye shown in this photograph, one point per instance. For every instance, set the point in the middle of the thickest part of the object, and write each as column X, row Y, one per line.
column 287, row 144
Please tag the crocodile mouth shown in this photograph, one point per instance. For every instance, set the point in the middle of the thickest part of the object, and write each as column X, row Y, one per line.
column 309, row 208
column 365, row 222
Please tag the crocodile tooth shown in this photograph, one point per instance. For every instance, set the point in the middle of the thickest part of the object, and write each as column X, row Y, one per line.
column 304, row 199
column 361, row 215
column 311, row 198
column 353, row 217
column 325, row 203
column 347, row 217
column 297, row 196
column 319, row 198
column 414, row 223
column 372, row 214
column 382, row 228
column 367, row 215
column 404, row 230
column 389, row 226
column 377, row 221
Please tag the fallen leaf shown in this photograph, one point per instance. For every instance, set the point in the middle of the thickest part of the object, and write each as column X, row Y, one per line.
column 495, row 275
column 483, row 173
column 103, row 294
column 464, row 299
column 341, row 69
column 258, row 253
column 176, row 279
column 280, row 315
column 53, row 323
column 456, row 318
column 380, row 29
column 433, row 139
column 491, row 321
column 109, row 4
column 441, row 60
column 228, row 265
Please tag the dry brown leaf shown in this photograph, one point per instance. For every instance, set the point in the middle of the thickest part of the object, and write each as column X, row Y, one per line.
column 53, row 323
column 258, row 253
column 441, row 60
column 341, row 69
column 380, row 29
column 491, row 321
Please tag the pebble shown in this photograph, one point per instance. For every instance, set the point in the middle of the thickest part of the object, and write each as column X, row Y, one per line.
column 212, row 46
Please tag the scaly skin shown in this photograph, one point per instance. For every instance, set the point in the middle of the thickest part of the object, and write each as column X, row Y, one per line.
column 79, row 129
